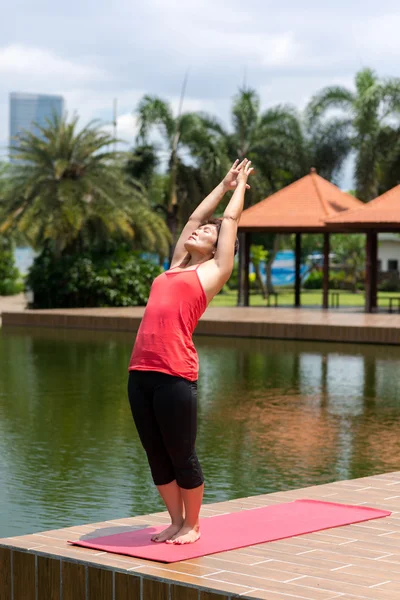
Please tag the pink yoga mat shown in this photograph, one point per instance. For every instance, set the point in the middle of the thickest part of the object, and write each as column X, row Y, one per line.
column 237, row 530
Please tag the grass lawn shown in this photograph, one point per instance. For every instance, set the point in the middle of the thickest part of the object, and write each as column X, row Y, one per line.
column 308, row 298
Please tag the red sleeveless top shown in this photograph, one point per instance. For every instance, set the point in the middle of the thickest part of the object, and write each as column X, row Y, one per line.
column 164, row 340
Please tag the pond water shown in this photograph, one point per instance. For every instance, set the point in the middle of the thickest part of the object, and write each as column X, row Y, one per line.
column 273, row 415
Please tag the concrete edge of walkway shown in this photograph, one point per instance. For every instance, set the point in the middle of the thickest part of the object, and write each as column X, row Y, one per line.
column 229, row 323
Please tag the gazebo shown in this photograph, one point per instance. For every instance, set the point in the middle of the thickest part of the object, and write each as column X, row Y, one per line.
column 301, row 207
column 379, row 215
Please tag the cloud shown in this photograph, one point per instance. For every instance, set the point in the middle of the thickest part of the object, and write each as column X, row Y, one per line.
column 35, row 64
column 38, row 70
column 126, row 130
column 297, row 89
column 288, row 51
column 380, row 36
column 266, row 50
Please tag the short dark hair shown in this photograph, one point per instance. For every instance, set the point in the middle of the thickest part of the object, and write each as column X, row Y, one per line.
column 218, row 223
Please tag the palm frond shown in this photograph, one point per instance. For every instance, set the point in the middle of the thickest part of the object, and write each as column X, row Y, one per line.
column 153, row 111
column 245, row 115
column 65, row 180
column 329, row 98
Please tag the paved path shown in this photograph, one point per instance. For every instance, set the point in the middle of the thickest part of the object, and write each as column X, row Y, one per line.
column 12, row 303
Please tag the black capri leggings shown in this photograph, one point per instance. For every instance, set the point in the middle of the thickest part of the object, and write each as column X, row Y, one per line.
column 164, row 409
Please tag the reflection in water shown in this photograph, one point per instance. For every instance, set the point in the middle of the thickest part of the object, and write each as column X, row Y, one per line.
column 273, row 415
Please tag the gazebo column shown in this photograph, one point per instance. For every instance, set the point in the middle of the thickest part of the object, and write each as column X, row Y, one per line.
column 297, row 284
column 325, row 286
column 244, row 262
column 371, row 272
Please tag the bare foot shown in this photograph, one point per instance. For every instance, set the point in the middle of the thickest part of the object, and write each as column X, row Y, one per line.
column 166, row 534
column 186, row 535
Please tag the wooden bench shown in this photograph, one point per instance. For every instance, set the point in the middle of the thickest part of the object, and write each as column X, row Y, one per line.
column 275, row 295
column 393, row 299
column 335, row 296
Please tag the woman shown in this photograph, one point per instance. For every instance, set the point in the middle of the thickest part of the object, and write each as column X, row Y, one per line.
column 163, row 368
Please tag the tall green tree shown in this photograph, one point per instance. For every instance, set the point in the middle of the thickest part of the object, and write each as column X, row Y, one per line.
column 4, row 170
column 182, row 134
column 9, row 274
column 282, row 149
column 67, row 185
column 365, row 115
column 141, row 165
column 389, row 163
column 199, row 149
column 278, row 143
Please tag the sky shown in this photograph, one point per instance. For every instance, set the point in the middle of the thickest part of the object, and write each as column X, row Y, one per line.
column 92, row 52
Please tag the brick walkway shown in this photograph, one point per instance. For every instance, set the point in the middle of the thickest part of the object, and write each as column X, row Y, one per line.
column 356, row 562
column 12, row 303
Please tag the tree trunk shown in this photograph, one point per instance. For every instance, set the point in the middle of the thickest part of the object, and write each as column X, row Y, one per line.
column 270, row 288
column 172, row 223
column 354, row 281
column 268, row 271
column 172, row 208
column 353, row 274
column 263, row 287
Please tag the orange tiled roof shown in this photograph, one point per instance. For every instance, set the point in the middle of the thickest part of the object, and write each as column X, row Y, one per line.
column 304, row 204
column 383, row 210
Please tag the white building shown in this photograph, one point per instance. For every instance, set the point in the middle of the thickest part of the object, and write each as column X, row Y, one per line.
column 388, row 252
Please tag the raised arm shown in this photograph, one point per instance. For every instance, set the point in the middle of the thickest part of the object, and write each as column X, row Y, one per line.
column 205, row 210
column 224, row 256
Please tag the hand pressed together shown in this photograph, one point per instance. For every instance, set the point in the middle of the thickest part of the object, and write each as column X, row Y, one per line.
column 245, row 171
column 230, row 180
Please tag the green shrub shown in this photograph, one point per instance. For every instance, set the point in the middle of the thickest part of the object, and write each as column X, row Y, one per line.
column 233, row 281
column 116, row 278
column 9, row 274
column 338, row 280
column 391, row 284
column 314, row 281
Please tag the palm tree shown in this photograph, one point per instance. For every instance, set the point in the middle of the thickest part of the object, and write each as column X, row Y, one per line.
column 4, row 171
column 367, row 111
column 275, row 139
column 281, row 147
column 389, row 163
column 182, row 135
column 69, row 186
column 279, row 144
column 141, row 165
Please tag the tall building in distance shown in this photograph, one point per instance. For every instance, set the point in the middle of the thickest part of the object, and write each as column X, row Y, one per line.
column 26, row 110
